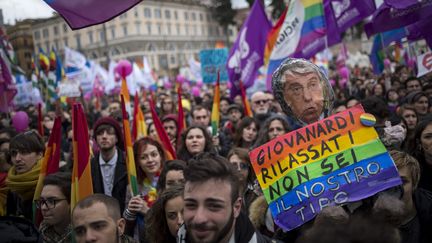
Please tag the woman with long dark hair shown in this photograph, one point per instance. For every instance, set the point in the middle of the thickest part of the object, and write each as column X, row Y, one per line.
column 164, row 218
column 194, row 140
column 246, row 132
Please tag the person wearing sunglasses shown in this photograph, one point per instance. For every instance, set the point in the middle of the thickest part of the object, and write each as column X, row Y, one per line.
column 26, row 151
column 54, row 204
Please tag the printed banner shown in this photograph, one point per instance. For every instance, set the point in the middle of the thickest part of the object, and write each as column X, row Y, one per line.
column 333, row 161
column 424, row 64
column 69, row 89
column 213, row 60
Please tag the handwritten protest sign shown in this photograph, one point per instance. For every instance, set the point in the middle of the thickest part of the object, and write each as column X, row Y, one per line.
column 333, row 161
column 213, row 60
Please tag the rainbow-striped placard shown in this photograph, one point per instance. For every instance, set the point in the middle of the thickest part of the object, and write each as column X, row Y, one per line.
column 334, row 161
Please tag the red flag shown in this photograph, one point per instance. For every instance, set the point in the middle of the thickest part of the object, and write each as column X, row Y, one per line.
column 247, row 109
column 139, row 128
column 163, row 136
column 50, row 164
column 82, row 184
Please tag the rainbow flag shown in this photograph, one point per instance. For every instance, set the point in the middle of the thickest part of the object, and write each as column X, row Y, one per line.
column 163, row 136
column 181, row 120
column 139, row 128
column 215, row 115
column 273, row 35
column 49, row 165
column 130, row 160
column 82, row 184
column 302, row 33
column 125, row 92
column 246, row 105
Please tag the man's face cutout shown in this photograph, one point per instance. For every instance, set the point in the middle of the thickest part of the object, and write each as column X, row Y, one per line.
column 304, row 95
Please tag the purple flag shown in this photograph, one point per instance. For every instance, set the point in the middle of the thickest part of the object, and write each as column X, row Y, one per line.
column 83, row 13
column 246, row 55
column 7, row 88
column 393, row 14
column 419, row 30
column 342, row 14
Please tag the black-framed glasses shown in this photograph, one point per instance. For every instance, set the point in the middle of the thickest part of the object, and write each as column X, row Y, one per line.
column 49, row 203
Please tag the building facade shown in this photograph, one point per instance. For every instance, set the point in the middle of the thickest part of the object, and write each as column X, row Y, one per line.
column 20, row 36
column 166, row 32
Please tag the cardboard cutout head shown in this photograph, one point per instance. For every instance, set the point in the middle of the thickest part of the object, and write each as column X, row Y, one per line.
column 302, row 90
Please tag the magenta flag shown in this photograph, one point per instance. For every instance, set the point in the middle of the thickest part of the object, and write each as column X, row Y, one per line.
column 7, row 87
column 83, row 13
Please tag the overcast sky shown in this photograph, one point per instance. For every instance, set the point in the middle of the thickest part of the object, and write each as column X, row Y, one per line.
column 22, row 9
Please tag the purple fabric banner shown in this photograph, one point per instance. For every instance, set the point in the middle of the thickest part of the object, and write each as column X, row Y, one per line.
column 350, row 184
column 246, row 55
column 342, row 14
column 398, row 13
column 83, row 13
column 8, row 90
column 419, row 30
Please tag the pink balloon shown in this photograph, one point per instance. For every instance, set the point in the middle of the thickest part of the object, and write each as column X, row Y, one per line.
column 20, row 121
column 196, row 91
column 387, row 63
column 332, row 82
column 87, row 96
column 167, row 85
column 344, row 72
column 181, row 79
column 123, row 68
column 229, row 85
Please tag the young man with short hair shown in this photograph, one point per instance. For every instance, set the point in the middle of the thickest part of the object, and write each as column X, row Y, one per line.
column 97, row 218
column 214, row 215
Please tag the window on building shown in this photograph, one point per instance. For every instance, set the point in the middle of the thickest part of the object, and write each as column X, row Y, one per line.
column 187, row 29
column 230, row 32
column 37, row 35
column 125, row 30
column 56, row 44
column 151, row 47
column 45, row 33
column 159, row 29
column 186, row 15
column 157, row 13
column 203, row 30
column 136, row 12
column 194, row 30
column 175, row 14
column 113, row 33
column 90, row 37
column 172, row 60
column 178, row 29
column 167, row 14
column 201, row 17
column 78, row 41
column 217, row 31
column 138, row 28
column 55, row 30
column 123, row 16
column 147, row 13
column 149, row 28
column 193, row 16
column 210, row 30
column 169, row 29
column 65, row 28
column 66, row 42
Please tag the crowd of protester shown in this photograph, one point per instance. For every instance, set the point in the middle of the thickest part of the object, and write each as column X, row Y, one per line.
column 210, row 192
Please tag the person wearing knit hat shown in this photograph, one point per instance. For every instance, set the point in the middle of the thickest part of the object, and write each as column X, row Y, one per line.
column 108, row 166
